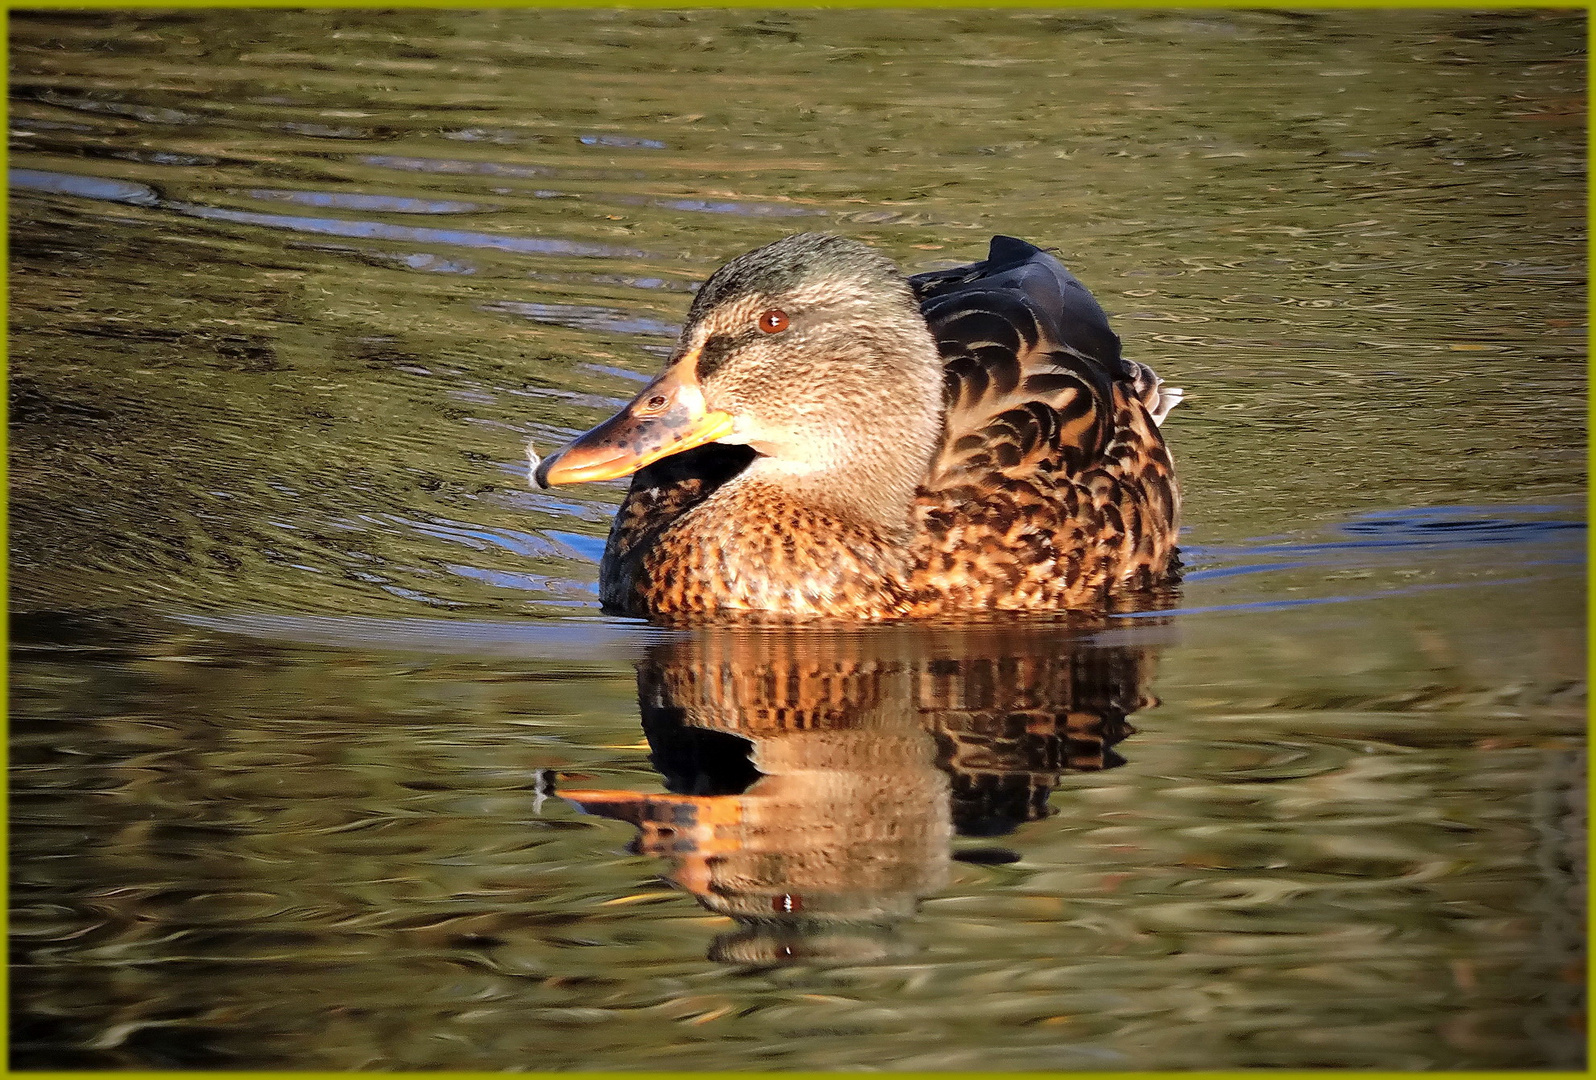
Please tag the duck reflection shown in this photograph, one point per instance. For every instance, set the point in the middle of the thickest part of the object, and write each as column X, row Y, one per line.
column 816, row 778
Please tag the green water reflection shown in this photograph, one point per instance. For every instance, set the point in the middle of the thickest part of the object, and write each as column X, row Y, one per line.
column 309, row 690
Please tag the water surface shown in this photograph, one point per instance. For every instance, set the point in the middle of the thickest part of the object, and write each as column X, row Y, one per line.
column 324, row 757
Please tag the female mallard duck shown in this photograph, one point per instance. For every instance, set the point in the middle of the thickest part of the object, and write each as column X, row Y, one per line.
column 832, row 439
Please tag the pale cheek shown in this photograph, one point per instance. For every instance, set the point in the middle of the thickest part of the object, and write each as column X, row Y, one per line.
column 744, row 432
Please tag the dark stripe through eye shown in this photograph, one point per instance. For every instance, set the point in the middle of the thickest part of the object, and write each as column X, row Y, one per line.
column 717, row 350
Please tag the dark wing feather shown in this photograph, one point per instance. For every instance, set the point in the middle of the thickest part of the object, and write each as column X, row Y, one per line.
column 1030, row 275
column 1052, row 484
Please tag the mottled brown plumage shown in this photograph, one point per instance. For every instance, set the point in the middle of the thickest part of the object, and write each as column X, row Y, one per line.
column 963, row 440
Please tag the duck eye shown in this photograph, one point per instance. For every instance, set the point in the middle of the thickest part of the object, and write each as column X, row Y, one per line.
column 773, row 321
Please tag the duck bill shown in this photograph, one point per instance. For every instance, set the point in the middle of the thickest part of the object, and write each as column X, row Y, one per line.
column 667, row 418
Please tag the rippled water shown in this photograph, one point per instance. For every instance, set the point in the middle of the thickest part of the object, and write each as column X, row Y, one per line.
column 323, row 756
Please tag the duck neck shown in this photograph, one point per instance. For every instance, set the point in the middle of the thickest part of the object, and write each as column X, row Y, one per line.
column 865, row 459
column 877, row 494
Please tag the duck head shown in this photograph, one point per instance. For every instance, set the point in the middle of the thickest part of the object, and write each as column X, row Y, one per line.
column 813, row 352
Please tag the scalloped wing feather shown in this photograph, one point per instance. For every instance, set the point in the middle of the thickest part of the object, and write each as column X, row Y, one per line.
column 1052, row 485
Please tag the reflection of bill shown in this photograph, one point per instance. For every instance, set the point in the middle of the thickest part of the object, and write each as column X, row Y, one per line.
column 817, row 777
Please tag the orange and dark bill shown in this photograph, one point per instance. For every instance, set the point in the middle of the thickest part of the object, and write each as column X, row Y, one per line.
column 668, row 417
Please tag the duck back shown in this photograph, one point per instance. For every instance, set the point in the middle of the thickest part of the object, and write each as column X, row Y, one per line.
column 1052, row 486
